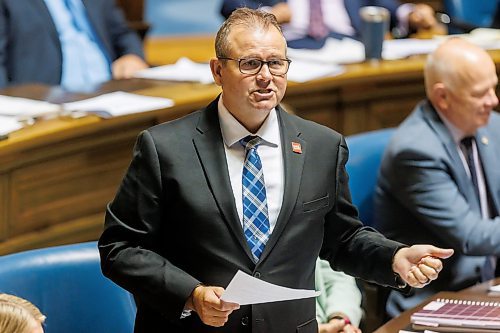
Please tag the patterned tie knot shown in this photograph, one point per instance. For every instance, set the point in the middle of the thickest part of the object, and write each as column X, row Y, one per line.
column 251, row 142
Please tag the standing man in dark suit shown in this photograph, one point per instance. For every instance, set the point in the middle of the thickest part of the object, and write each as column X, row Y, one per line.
column 242, row 185
column 73, row 43
column 440, row 176
column 336, row 18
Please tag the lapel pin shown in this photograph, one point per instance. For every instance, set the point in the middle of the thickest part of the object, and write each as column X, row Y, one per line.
column 296, row 148
column 484, row 140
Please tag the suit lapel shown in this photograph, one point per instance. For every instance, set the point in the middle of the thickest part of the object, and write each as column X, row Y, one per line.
column 210, row 149
column 450, row 146
column 93, row 13
column 489, row 162
column 293, row 165
column 43, row 14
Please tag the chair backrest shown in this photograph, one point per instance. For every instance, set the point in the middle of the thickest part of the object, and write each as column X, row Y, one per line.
column 475, row 12
column 365, row 155
column 66, row 284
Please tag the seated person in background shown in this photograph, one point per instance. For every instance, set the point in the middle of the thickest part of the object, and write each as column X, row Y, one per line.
column 439, row 180
column 340, row 18
column 338, row 308
column 66, row 43
column 17, row 315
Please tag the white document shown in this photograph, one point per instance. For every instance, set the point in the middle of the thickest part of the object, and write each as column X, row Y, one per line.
column 245, row 289
column 334, row 51
column 302, row 70
column 495, row 288
column 118, row 103
column 183, row 70
column 24, row 107
column 7, row 125
column 403, row 48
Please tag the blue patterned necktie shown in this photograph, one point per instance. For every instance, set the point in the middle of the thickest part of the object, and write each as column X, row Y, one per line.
column 255, row 214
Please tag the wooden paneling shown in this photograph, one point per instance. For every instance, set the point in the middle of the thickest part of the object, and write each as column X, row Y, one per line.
column 4, row 203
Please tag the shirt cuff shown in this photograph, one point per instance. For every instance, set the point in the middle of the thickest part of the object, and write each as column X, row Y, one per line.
column 402, row 13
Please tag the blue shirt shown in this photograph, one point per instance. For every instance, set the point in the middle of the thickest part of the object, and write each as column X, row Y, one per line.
column 84, row 60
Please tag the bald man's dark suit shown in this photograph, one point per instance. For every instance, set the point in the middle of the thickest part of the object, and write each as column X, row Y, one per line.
column 173, row 225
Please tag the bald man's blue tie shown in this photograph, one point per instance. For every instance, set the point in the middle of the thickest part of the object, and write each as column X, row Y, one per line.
column 255, row 213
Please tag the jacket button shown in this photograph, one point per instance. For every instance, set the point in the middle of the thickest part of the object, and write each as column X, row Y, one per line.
column 244, row 321
column 256, row 275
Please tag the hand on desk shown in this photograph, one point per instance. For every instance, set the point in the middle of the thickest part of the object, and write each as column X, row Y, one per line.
column 337, row 326
column 125, row 66
column 206, row 302
column 418, row 265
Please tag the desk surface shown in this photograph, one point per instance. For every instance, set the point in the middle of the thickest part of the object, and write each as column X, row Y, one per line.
column 57, row 176
column 478, row 292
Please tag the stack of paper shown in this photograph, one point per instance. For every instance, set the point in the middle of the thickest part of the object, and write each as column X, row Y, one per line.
column 26, row 108
column 183, row 70
column 302, row 70
column 118, row 103
column 334, row 51
column 8, row 125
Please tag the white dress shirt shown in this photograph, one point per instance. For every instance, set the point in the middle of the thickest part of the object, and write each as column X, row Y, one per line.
column 270, row 155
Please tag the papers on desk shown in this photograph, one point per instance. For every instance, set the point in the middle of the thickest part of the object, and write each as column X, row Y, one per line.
column 245, row 289
column 334, row 51
column 183, row 70
column 118, row 103
column 302, row 71
column 26, row 108
column 7, row 125
column 403, row 48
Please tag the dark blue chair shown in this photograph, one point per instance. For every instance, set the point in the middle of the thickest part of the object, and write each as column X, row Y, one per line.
column 466, row 15
column 66, row 283
column 365, row 155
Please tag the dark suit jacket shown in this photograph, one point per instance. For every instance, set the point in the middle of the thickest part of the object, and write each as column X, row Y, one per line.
column 352, row 7
column 30, row 50
column 425, row 196
column 173, row 225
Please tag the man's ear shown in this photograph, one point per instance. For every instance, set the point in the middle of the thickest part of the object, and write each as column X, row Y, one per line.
column 440, row 96
column 216, row 68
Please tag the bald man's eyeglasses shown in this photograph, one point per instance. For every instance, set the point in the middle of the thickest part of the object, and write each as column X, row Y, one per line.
column 252, row 66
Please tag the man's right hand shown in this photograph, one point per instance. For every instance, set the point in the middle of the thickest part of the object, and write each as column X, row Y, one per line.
column 206, row 302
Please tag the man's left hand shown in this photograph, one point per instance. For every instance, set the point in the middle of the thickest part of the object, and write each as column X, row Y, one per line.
column 125, row 66
column 418, row 265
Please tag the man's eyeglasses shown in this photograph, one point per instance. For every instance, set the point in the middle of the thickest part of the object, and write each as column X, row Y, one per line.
column 252, row 66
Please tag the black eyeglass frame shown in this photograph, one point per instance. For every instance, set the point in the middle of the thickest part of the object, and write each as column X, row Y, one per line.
column 262, row 63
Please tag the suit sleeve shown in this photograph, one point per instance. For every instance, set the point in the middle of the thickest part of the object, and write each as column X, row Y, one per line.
column 341, row 293
column 3, row 47
column 350, row 247
column 424, row 186
column 123, row 39
column 132, row 225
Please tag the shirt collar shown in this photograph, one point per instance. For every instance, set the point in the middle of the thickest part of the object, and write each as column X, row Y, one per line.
column 456, row 133
column 233, row 131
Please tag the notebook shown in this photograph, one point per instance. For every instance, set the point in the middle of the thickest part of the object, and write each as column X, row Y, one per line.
column 454, row 315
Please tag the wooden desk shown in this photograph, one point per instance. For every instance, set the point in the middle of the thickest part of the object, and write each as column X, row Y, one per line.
column 366, row 97
column 479, row 292
column 57, row 176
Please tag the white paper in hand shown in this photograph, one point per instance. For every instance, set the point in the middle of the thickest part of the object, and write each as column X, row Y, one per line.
column 245, row 289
